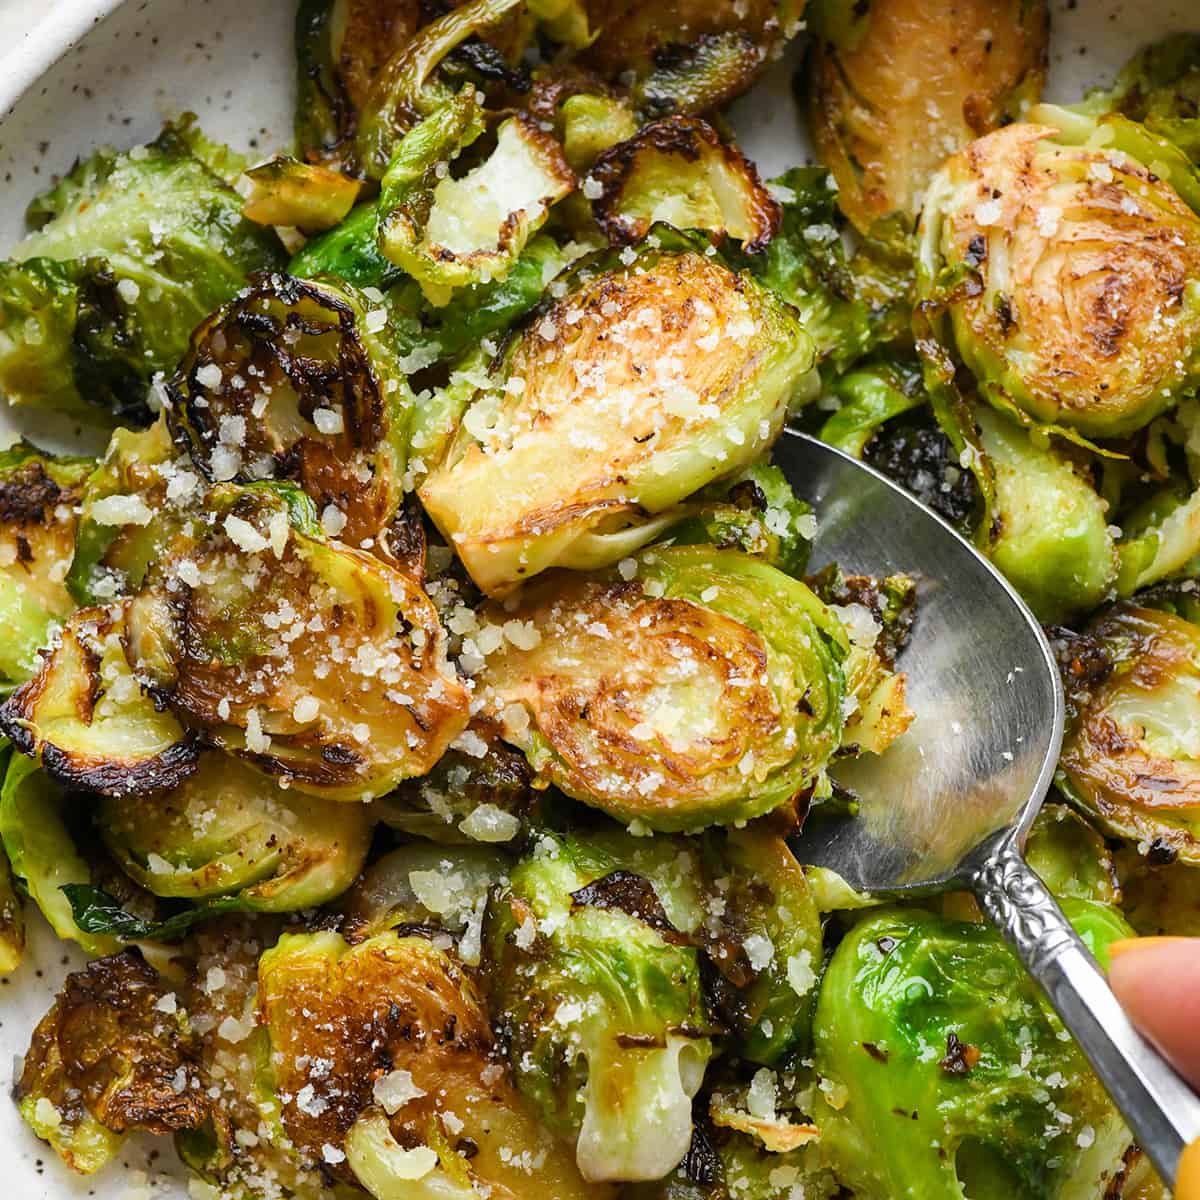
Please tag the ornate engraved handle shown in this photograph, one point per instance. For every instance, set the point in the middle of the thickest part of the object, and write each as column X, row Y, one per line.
column 1162, row 1111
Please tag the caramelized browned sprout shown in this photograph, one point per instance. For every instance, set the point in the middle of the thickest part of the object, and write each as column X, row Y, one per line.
column 111, row 1056
column 898, row 85
column 317, row 664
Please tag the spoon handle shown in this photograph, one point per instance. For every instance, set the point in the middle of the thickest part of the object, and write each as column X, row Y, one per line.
column 1159, row 1107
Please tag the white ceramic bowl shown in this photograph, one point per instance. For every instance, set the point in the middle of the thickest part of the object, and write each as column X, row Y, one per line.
column 98, row 72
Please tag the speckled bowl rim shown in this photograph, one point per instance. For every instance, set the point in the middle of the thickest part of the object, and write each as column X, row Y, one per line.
column 46, row 44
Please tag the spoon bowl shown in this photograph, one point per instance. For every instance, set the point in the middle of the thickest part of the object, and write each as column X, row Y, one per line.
column 951, row 803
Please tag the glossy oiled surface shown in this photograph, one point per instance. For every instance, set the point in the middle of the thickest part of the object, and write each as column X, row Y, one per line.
column 231, row 62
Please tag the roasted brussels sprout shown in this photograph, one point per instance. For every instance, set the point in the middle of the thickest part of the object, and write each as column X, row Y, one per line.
column 89, row 722
column 1061, row 260
column 688, row 56
column 933, row 1023
column 692, row 687
column 38, row 495
column 305, row 196
column 679, row 172
column 108, row 1058
column 599, row 1002
column 1160, row 87
column 896, row 86
column 133, row 250
column 294, row 379
column 449, row 232
column 650, row 379
column 1071, row 857
column 315, row 663
column 1128, row 760
column 41, row 851
column 407, row 1098
column 1051, row 537
column 227, row 831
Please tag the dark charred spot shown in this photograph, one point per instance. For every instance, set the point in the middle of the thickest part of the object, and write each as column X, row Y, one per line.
column 631, row 894
column 28, row 496
column 1084, row 662
column 1161, row 853
column 961, row 1057
column 875, row 1052
column 976, row 251
column 1004, row 314
column 702, row 1164
column 886, row 944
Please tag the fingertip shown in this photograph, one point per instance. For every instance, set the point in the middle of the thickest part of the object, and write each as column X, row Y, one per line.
column 1187, row 1180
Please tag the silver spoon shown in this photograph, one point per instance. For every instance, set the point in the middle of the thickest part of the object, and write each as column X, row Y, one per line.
column 951, row 803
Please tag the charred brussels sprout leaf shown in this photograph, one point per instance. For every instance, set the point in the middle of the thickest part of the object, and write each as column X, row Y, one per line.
column 409, row 1046
column 38, row 495
column 227, row 831
column 303, row 195
column 135, row 250
column 943, row 1073
column 613, row 405
column 600, row 1005
column 679, row 172
column 978, row 66
column 1128, row 761
column 448, row 232
column 107, row 1060
column 295, row 379
column 315, row 663
column 1061, row 261
column 89, row 722
column 688, row 56
column 1052, row 537
column 707, row 687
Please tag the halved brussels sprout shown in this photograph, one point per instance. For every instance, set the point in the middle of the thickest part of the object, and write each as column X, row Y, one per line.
column 88, row 720
column 1131, row 760
column 1071, row 857
column 303, row 195
column 1062, row 259
column 1160, row 87
column 42, row 852
column 600, row 1005
column 408, row 1099
column 1052, row 537
column 38, row 495
column 679, row 172
column 449, row 232
column 109, row 1058
column 896, row 86
column 228, row 831
column 132, row 251
column 313, row 662
column 294, row 379
column 694, row 687
column 652, row 378
column 944, row 1074
column 688, row 56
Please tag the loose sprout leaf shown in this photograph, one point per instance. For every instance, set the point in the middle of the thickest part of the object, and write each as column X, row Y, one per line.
column 650, row 379
column 296, row 379
column 38, row 495
column 389, row 1006
column 679, row 172
column 315, row 663
column 1037, row 223
column 89, row 722
column 602, row 1013
column 871, row 395
column 132, row 251
column 1128, row 761
column 96, row 912
column 227, row 831
column 449, row 232
column 706, row 688
column 976, row 67
column 290, row 193
column 107, row 1060
column 971, row 1058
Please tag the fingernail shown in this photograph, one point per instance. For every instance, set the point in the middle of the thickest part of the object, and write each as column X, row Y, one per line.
column 1124, row 945
column 1187, row 1179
